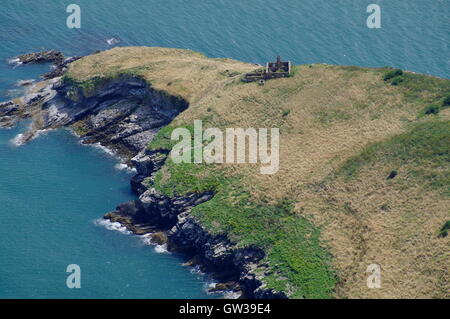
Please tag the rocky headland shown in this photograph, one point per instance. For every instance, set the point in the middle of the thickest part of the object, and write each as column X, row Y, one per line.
column 311, row 229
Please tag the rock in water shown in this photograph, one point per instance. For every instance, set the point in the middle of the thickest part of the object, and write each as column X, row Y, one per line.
column 159, row 238
column 42, row 57
column 24, row 82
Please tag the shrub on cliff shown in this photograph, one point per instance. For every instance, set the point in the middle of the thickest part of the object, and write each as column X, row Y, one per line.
column 432, row 109
column 397, row 80
column 446, row 101
column 392, row 74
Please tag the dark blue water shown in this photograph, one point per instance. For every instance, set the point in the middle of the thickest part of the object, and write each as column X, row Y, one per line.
column 53, row 189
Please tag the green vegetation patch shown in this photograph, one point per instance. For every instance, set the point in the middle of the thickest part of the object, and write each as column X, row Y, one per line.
column 297, row 263
column 425, row 150
column 162, row 140
column 389, row 75
column 424, row 89
column 446, row 100
column 432, row 109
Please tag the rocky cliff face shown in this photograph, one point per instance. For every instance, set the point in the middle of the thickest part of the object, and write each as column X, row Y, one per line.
column 124, row 113
column 154, row 213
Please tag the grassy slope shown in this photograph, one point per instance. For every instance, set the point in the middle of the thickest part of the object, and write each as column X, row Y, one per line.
column 342, row 129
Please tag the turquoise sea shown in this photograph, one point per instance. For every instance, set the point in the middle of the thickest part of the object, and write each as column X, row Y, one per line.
column 53, row 189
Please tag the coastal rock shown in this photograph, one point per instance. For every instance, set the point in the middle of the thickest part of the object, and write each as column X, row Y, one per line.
column 7, row 121
column 60, row 63
column 123, row 113
column 230, row 285
column 42, row 57
column 146, row 163
column 8, row 108
column 60, row 68
column 159, row 238
column 214, row 253
column 24, row 83
column 194, row 261
column 5, row 104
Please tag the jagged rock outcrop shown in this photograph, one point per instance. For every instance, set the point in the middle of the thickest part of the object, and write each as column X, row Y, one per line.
column 123, row 113
column 42, row 57
column 60, row 68
column 60, row 63
column 146, row 163
column 7, row 108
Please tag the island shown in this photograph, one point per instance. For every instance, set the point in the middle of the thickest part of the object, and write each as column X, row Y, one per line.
column 363, row 176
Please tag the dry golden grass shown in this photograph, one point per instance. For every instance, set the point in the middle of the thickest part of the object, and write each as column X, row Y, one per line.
column 179, row 72
column 334, row 112
column 393, row 223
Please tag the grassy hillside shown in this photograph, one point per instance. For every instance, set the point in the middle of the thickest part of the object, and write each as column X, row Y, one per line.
column 331, row 210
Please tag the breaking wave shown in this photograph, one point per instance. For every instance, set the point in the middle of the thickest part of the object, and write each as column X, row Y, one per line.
column 22, row 138
column 147, row 240
column 112, row 41
column 116, row 226
column 124, row 167
column 14, row 61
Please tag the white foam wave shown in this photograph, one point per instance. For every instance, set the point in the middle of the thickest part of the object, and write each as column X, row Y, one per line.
column 41, row 132
column 160, row 249
column 119, row 166
column 103, row 148
column 147, row 239
column 22, row 138
column 231, row 294
column 197, row 271
column 226, row 294
column 124, row 167
column 18, row 140
column 14, row 61
column 211, row 285
column 115, row 226
column 112, row 41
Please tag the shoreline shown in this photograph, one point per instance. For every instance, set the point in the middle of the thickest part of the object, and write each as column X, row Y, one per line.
column 51, row 105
